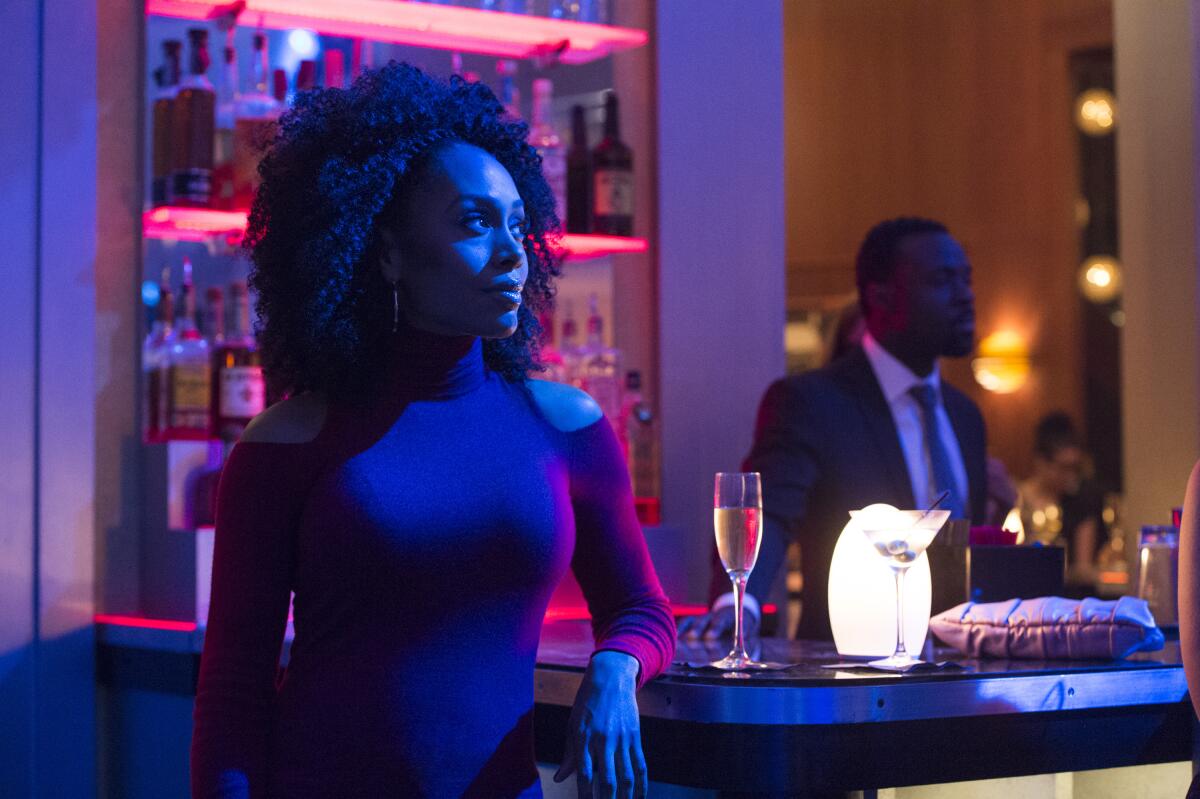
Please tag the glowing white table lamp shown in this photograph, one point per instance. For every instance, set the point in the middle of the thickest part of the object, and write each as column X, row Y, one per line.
column 862, row 598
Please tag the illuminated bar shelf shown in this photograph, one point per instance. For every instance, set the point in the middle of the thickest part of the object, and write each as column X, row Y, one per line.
column 204, row 224
column 425, row 25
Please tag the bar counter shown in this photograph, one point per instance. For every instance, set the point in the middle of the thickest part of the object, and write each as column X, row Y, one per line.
column 810, row 728
column 815, row 729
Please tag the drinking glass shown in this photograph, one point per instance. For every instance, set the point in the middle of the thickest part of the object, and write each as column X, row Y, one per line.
column 900, row 536
column 737, row 521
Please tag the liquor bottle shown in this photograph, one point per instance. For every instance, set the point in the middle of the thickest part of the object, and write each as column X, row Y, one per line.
column 600, row 366
column 549, row 354
column 155, row 354
column 544, row 137
column 510, row 95
column 213, row 328
column 279, row 87
column 569, row 349
column 335, row 69
column 579, row 176
column 640, row 435
column 189, row 379
column 192, row 120
column 228, row 95
column 240, row 391
column 254, row 126
column 612, row 165
column 167, row 77
column 306, row 76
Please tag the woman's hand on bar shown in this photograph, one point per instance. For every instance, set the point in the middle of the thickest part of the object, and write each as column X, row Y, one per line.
column 604, row 739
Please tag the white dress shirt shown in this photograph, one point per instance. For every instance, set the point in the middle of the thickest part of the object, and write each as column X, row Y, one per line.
column 897, row 380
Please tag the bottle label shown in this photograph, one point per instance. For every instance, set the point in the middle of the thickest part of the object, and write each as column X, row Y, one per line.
column 613, row 192
column 191, row 186
column 243, row 392
column 189, row 396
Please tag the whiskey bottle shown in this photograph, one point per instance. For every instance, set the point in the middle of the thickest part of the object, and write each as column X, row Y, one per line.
column 167, row 78
column 254, row 126
column 612, row 164
column 600, row 366
column 192, row 121
column 545, row 139
column 240, row 391
column 155, row 355
column 213, row 328
column 189, row 379
column 228, row 94
column 579, row 176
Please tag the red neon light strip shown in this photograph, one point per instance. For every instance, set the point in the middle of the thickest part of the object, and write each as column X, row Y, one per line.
column 425, row 25
column 149, row 624
column 580, row 612
column 202, row 224
column 563, row 613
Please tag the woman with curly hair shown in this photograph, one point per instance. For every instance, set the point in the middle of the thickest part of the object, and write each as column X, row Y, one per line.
column 417, row 492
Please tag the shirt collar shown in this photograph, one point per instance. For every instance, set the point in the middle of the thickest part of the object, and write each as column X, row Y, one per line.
column 896, row 379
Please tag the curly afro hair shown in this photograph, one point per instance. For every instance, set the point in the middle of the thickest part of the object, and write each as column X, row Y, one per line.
column 331, row 176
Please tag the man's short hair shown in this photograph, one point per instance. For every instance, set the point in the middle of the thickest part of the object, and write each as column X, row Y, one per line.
column 876, row 261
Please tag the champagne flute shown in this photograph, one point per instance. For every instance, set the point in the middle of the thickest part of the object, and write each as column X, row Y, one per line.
column 738, row 523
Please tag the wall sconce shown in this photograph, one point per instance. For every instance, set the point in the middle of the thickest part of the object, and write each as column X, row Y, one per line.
column 1100, row 278
column 1096, row 112
column 862, row 599
column 1003, row 362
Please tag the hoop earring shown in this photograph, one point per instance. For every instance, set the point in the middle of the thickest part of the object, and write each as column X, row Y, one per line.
column 395, row 306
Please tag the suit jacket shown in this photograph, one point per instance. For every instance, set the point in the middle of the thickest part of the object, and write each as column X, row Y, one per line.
column 826, row 444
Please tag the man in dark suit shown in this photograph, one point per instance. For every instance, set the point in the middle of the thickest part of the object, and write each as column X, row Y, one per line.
column 877, row 425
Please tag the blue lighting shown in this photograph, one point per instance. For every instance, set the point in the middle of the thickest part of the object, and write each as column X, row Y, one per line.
column 150, row 293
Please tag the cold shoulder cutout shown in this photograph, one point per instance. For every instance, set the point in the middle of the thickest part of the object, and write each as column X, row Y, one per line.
column 422, row 527
column 296, row 420
column 565, row 407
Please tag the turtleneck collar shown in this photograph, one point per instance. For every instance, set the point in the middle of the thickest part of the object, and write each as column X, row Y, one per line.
column 423, row 365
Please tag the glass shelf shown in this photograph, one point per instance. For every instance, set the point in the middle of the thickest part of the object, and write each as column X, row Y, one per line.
column 204, row 224
column 425, row 25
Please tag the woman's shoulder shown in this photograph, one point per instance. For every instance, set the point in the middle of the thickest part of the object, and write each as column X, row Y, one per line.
column 565, row 407
column 296, row 420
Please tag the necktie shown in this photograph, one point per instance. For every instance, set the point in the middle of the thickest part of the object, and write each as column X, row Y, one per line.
column 943, row 472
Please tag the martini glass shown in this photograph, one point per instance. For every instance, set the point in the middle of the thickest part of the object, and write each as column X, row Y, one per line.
column 900, row 536
column 738, row 523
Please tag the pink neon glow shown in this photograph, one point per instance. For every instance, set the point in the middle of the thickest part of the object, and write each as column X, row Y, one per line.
column 580, row 612
column 580, row 246
column 191, row 224
column 426, row 25
column 561, row 613
column 202, row 224
column 149, row 624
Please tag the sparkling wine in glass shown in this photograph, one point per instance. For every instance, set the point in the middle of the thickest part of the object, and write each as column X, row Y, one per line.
column 738, row 523
column 900, row 536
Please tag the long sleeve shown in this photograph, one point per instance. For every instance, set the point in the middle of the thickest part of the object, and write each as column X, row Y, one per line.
column 630, row 613
column 259, row 500
column 785, row 452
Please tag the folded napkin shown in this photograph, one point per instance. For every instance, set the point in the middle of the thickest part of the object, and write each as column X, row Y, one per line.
column 1050, row 628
